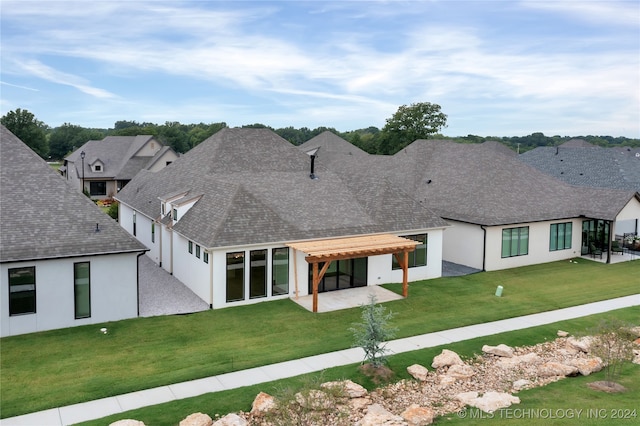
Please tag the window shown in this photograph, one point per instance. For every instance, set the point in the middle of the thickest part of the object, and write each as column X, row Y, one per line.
column 22, row 290
column 153, row 232
column 235, row 276
column 82, row 289
column 98, row 168
column 560, row 237
column 280, row 271
column 190, row 247
column 97, row 188
column 198, row 251
column 258, row 274
column 418, row 257
column 163, row 209
column 515, row 241
column 134, row 223
column 205, row 257
column 175, row 214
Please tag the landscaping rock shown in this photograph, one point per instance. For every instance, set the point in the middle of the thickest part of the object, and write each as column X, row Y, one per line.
column 587, row 366
column 416, row 415
column 549, row 369
column 350, row 389
column 582, row 344
column 231, row 420
column 489, row 402
column 561, row 333
column 446, row 359
column 521, row 384
column 460, row 372
column 530, row 359
column 263, row 403
column 500, row 350
column 197, row 419
column 418, row 372
column 378, row 416
column 127, row 422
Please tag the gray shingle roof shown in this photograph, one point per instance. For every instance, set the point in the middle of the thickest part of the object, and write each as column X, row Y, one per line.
column 42, row 217
column 333, row 148
column 484, row 185
column 118, row 153
column 590, row 166
column 256, row 189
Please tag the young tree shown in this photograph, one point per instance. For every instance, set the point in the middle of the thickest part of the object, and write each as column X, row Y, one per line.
column 373, row 332
column 613, row 343
column 32, row 132
column 416, row 121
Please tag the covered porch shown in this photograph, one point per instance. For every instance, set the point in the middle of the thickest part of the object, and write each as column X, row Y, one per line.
column 320, row 253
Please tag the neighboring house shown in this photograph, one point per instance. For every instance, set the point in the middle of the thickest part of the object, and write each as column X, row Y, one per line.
column 63, row 262
column 504, row 213
column 580, row 163
column 109, row 164
column 241, row 218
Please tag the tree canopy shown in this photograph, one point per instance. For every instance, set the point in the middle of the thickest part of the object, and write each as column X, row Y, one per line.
column 409, row 123
column 416, row 121
column 32, row 132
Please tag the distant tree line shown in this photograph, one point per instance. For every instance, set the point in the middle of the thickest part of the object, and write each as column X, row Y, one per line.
column 416, row 121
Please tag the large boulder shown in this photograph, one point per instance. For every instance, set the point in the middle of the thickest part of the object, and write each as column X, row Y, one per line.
column 197, row 419
column 350, row 389
column 262, row 404
column 501, row 350
column 446, row 358
column 489, row 402
column 531, row 358
column 378, row 416
column 127, row 422
column 582, row 344
column 231, row 420
column 587, row 366
column 549, row 369
column 415, row 415
column 418, row 372
column 460, row 372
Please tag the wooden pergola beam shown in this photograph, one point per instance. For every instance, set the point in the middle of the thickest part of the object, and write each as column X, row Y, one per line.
column 327, row 251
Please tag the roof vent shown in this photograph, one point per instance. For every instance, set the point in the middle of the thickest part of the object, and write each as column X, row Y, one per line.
column 97, row 228
column 313, row 154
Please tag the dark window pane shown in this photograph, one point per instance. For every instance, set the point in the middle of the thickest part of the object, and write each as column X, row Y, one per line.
column 235, row 276
column 258, row 274
column 280, row 271
column 22, row 290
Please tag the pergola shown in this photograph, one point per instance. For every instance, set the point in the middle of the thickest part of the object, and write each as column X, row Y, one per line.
column 326, row 251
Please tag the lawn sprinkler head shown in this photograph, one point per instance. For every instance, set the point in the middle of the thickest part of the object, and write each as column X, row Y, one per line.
column 103, row 330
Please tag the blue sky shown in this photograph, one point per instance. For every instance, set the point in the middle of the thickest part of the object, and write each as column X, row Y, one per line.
column 497, row 68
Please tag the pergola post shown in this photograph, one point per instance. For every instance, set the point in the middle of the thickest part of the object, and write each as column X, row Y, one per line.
column 317, row 276
column 404, row 264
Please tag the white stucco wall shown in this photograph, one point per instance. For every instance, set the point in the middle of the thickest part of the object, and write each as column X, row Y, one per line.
column 193, row 272
column 539, row 234
column 114, row 293
column 463, row 244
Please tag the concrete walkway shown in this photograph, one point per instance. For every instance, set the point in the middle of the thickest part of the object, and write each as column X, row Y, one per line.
column 118, row 404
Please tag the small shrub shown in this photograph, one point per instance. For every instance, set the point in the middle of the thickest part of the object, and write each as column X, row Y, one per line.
column 373, row 332
column 613, row 343
column 113, row 210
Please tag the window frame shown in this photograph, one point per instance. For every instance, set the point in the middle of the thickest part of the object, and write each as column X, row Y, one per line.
column 555, row 235
column 518, row 234
column 198, row 251
column 231, row 256
column 413, row 255
column 75, row 289
column 94, row 192
column 12, row 307
column 274, row 276
column 190, row 247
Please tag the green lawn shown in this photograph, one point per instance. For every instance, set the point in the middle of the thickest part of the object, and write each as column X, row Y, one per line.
column 61, row 367
column 533, row 401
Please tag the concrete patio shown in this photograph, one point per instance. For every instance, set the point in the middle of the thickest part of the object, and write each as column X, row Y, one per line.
column 627, row 256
